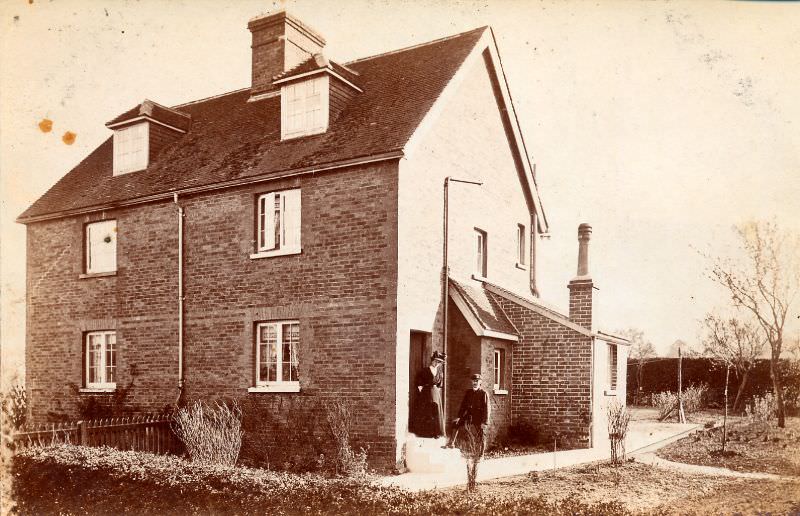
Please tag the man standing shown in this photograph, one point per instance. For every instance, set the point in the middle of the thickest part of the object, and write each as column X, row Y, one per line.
column 474, row 411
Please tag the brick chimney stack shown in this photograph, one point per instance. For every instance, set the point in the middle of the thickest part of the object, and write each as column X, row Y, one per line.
column 280, row 42
column 581, row 288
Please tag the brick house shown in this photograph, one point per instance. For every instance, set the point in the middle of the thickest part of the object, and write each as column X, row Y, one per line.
column 288, row 240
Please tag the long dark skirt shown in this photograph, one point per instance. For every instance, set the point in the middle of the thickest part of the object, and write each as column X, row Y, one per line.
column 428, row 418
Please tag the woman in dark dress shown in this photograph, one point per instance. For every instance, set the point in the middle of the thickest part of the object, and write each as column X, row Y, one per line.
column 428, row 415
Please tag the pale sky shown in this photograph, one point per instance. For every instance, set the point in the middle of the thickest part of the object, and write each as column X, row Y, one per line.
column 662, row 124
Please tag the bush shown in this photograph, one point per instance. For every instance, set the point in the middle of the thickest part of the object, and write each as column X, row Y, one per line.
column 211, row 434
column 694, row 398
column 80, row 480
column 761, row 409
column 664, row 402
column 523, row 433
column 339, row 416
column 15, row 406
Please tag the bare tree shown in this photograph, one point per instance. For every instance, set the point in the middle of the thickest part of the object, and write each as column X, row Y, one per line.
column 764, row 283
column 642, row 351
column 735, row 343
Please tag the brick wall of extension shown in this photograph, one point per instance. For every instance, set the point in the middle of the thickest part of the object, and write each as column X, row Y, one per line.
column 551, row 377
column 341, row 289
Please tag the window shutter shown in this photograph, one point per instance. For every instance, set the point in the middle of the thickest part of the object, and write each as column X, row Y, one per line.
column 269, row 221
column 291, row 219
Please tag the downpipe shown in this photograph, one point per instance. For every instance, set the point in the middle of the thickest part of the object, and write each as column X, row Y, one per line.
column 179, row 399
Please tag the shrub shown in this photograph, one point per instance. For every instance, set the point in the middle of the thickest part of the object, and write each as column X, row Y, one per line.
column 694, row 398
column 80, row 480
column 618, row 419
column 523, row 433
column 339, row 416
column 761, row 409
column 664, row 402
column 211, row 434
column 15, row 406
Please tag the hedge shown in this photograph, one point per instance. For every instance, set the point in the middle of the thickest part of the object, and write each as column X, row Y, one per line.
column 78, row 480
column 661, row 374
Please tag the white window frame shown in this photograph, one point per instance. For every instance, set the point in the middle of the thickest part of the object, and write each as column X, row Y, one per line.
column 481, row 251
column 103, row 229
column 289, row 224
column 108, row 338
column 131, row 148
column 522, row 251
column 613, row 366
column 277, row 385
column 500, row 373
column 305, row 107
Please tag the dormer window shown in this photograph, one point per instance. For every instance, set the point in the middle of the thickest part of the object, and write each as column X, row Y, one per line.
column 304, row 107
column 131, row 148
column 141, row 133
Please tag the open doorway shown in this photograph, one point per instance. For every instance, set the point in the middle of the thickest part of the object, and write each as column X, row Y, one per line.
column 419, row 351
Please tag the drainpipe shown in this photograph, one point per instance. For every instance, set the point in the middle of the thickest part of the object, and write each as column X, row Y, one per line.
column 446, row 275
column 180, row 299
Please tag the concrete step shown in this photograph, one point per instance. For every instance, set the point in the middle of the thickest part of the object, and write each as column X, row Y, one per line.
column 425, row 455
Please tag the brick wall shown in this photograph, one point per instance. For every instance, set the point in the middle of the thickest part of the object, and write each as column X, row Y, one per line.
column 551, row 376
column 341, row 288
column 581, row 294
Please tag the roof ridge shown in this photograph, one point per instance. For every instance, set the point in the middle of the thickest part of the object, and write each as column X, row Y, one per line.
column 212, row 97
column 411, row 47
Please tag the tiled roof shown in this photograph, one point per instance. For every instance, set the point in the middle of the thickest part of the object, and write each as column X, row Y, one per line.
column 155, row 111
column 484, row 308
column 232, row 139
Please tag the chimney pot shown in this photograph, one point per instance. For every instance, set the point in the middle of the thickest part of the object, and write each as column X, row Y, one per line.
column 584, row 235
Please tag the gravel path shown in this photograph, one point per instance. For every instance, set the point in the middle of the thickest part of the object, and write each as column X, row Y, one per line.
column 654, row 460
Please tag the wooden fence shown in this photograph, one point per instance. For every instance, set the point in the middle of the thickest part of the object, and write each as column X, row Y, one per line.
column 141, row 433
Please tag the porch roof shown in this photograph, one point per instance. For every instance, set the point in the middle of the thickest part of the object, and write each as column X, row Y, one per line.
column 482, row 313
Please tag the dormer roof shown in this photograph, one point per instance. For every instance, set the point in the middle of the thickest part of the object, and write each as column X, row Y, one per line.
column 149, row 110
column 319, row 63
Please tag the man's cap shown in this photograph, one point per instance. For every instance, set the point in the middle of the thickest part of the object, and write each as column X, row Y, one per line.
column 476, row 376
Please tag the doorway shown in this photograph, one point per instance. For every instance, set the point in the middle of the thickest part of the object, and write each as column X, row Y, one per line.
column 419, row 350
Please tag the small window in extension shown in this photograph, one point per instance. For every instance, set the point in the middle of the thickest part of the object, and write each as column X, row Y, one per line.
column 500, row 382
column 612, row 366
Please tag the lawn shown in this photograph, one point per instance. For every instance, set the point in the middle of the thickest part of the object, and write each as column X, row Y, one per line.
column 755, row 447
column 641, row 488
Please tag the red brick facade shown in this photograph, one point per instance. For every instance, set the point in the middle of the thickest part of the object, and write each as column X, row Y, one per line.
column 341, row 289
column 551, row 378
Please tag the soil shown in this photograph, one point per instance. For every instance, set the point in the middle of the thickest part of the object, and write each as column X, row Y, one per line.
column 752, row 447
column 642, row 488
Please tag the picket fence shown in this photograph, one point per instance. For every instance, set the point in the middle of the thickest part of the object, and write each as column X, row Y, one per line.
column 140, row 433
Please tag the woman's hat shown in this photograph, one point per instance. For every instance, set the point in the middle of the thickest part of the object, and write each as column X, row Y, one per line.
column 438, row 356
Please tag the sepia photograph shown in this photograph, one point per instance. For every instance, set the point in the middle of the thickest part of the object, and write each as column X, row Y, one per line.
column 399, row 257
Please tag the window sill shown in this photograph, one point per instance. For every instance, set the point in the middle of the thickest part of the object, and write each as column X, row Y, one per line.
column 276, row 387
column 610, row 392
column 479, row 278
column 501, row 391
column 97, row 390
column 270, row 254
column 521, row 266
column 97, row 274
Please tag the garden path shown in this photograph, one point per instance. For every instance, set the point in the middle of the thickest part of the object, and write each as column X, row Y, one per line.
column 654, row 460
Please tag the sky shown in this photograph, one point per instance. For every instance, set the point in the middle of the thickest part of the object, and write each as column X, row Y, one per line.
column 662, row 124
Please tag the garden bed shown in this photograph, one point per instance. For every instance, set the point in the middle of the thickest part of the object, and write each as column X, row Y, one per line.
column 751, row 447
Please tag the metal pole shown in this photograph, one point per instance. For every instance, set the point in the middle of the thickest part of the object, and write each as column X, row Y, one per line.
column 681, row 416
column 445, row 298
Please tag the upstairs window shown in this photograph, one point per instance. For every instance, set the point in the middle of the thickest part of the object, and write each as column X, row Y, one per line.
column 101, row 246
column 276, row 355
column 101, row 360
column 131, row 148
column 279, row 223
column 521, row 250
column 304, row 107
column 480, row 253
column 612, row 366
